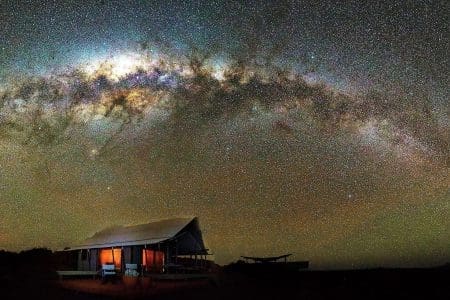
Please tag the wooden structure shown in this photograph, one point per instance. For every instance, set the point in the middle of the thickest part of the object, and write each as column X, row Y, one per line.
column 266, row 259
column 63, row 274
column 274, row 263
column 164, row 246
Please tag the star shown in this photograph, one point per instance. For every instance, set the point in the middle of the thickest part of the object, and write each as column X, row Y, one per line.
column 318, row 128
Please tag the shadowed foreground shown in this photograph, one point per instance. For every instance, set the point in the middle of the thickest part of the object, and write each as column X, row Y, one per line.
column 33, row 277
column 361, row 284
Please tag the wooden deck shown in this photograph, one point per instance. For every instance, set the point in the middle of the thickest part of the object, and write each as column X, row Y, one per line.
column 62, row 274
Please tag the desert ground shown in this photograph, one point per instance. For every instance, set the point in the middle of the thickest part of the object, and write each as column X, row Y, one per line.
column 32, row 275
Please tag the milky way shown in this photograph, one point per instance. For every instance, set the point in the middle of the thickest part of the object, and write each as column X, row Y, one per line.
column 262, row 123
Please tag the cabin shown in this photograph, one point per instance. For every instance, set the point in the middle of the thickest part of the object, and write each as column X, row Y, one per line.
column 165, row 246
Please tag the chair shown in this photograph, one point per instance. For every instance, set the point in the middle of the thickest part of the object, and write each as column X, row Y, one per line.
column 131, row 270
column 108, row 272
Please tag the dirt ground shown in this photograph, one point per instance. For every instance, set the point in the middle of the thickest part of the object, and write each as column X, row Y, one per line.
column 237, row 284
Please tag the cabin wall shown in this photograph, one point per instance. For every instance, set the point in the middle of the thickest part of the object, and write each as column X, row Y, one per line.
column 126, row 256
column 94, row 261
column 90, row 259
column 132, row 255
column 136, row 255
column 83, row 260
column 87, row 260
column 187, row 244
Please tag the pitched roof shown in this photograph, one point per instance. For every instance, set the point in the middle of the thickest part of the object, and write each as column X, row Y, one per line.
column 150, row 233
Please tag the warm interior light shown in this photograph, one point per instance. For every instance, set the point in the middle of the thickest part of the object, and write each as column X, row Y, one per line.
column 106, row 257
column 153, row 260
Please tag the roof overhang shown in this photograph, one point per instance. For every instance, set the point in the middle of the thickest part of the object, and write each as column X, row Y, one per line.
column 118, row 244
column 143, row 234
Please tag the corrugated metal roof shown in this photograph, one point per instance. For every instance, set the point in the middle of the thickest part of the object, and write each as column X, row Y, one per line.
column 150, row 233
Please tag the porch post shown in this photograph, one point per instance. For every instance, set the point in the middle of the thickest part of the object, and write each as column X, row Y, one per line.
column 79, row 260
column 114, row 262
column 176, row 251
column 145, row 256
column 168, row 255
column 163, row 258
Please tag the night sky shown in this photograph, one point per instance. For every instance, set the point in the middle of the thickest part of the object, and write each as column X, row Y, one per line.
column 301, row 127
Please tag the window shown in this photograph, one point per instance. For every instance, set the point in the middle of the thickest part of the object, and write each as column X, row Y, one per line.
column 110, row 256
column 152, row 260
